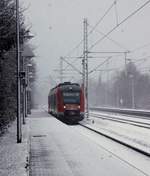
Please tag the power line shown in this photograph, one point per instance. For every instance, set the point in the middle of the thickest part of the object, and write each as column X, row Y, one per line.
column 107, row 52
column 73, row 49
column 90, row 32
column 71, row 63
column 142, row 58
column 141, row 47
column 101, row 19
column 112, row 40
column 100, row 65
column 106, row 70
column 94, row 57
column 72, row 66
column 114, row 28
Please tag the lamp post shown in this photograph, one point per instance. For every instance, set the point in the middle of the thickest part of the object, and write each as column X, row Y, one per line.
column 19, row 130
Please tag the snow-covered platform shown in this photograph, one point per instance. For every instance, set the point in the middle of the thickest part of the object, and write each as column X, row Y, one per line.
column 13, row 155
column 57, row 149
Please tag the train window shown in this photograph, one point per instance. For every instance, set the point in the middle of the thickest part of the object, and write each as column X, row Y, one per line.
column 71, row 94
column 71, row 97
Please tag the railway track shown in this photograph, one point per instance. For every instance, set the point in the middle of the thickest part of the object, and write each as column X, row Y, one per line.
column 123, row 152
column 127, row 121
column 118, row 139
column 136, row 112
column 132, row 120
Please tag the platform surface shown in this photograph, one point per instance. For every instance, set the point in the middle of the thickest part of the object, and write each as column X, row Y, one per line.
column 56, row 149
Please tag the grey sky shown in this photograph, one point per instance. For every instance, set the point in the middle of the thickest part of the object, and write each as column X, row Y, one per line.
column 58, row 27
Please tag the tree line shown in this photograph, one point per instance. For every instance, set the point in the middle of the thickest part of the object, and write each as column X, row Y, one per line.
column 128, row 88
column 8, row 61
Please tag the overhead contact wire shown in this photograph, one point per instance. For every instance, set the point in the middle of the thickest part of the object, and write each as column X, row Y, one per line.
column 114, row 41
column 101, row 19
column 132, row 14
column 90, row 32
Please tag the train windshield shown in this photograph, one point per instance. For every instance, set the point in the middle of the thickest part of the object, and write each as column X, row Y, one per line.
column 71, row 97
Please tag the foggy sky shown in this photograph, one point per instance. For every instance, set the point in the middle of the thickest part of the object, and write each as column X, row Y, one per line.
column 58, row 27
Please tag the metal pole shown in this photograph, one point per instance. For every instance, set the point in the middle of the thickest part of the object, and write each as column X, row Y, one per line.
column 125, row 57
column 19, row 132
column 26, row 114
column 25, row 88
column 86, row 68
column 28, row 90
column 61, row 69
column 24, row 102
column 27, row 98
column 107, row 84
column 24, row 84
column 83, row 60
column 132, row 93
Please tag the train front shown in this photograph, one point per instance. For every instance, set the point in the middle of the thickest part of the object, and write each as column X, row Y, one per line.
column 73, row 102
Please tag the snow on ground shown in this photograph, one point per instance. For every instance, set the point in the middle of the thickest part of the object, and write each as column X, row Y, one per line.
column 126, row 154
column 124, row 117
column 133, row 135
column 13, row 155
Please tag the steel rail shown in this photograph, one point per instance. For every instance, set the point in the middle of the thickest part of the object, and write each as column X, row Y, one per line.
column 144, row 113
column 143, row 152
column 127, row 121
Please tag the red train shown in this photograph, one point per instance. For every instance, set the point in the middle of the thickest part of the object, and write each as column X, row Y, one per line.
column 66, row 102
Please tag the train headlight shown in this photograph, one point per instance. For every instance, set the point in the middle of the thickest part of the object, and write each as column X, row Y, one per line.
column 64, row 107
column 79, row 106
